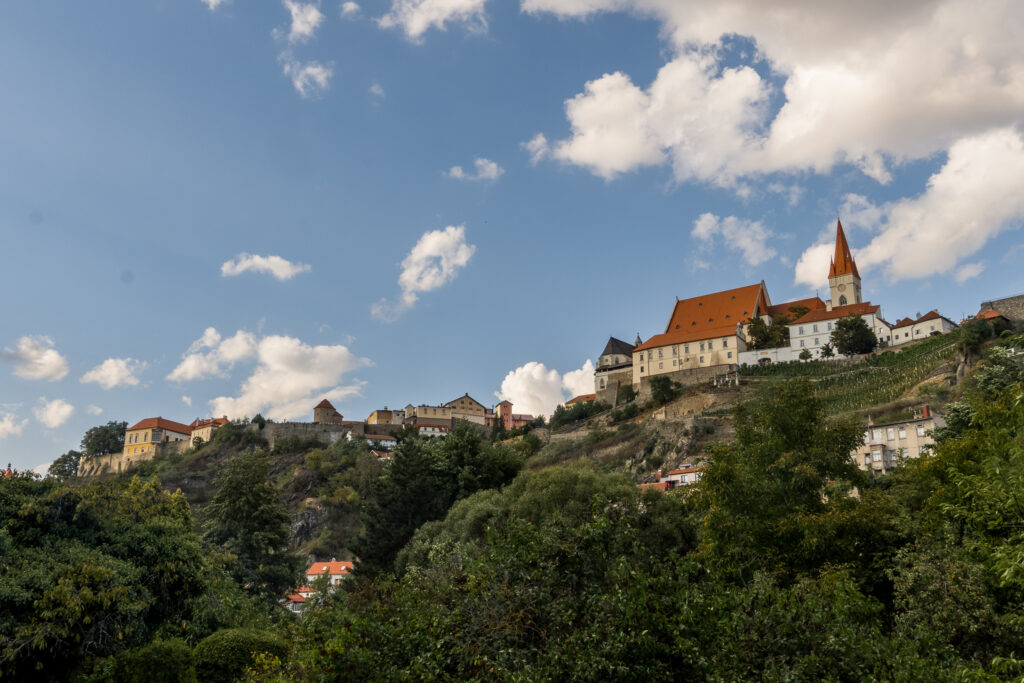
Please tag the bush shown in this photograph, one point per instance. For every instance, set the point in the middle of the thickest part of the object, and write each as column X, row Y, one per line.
column 627, row 394
column 225, row 655
column 626, row 412
column 162, row 661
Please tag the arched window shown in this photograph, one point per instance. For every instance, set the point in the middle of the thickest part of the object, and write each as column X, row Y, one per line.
column 842, row 300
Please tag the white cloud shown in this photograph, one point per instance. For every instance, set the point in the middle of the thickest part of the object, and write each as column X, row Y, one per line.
column 280, row 268
column 306, row 17
column 290, row 378
column 416, row 17
column 53, row 413
column 972, row 198
column 485, row 170
column 213, row 4
column 748, row 237
column 812, row 267
column 310, row 79
column 187, row 400
column 536, row 389
column 213, row 356
column 538, row 148
column 871, row 84
column 434, row 261
column 35, row 358
column 10, row 425
column 349, row 9
column 94, row 410
column 377, row 92
column 115, row 372
column 967, row 271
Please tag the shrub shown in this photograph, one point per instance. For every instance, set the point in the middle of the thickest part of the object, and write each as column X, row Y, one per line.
column 225, row 655
column 161, row 661
column 626, row 412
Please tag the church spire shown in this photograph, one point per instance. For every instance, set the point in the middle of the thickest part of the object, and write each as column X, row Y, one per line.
column 842, row 262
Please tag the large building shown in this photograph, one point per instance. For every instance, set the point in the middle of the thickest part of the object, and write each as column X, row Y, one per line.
column 143, row 439
column 468, row 408
column 614, row 365
column 887, row 444
column 910, row 330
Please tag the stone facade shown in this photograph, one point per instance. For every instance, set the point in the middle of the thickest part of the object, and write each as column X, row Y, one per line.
column 685, row 377
column 1011, row 308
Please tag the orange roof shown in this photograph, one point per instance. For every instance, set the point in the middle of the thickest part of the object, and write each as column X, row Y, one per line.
column 711, row 315
column 216, row 422
column 295, row 597
column 930, row 315
column 325, row 404
column 989, row 315
column 333, row 567
column 686, row 470
column 582, row 398
column 838, row 312
column 814, row 303
column 903, row 323
column 659, row 485
column 160, row 423
column 380, row 437
column 842, row 262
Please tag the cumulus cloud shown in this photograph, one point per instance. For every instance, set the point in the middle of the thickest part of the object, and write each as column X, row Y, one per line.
column 748, row 237
column 212, row 356
column 967, row 271
column 187, row 400
column 290, row 378
column 972, row 198
column 538, row 148
column 377, row 92
column 34, row 357
column 310, row 79
column 94, row 410
column 10, row 425
column 53, row 413
column 485, row 170
column 115, row 372
column 416, row 17
column 349, row 9
column 535, row 389
column 213, row 4
column 869, row 84
column 280, row 268
column 434, row 261
column 306, row 17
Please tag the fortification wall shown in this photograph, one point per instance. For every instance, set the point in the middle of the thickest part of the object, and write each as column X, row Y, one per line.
column 1012, row 307
column 324, row 433
column 683, row 377
column 119, row 462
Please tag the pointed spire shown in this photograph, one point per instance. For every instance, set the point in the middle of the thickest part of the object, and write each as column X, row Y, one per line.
column 842, row 262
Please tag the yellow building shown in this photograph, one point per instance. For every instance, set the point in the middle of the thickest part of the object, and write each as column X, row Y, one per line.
column 381, row 417
column 467, row 408
column 204, row 429
column 141, row 441
column 428, row 414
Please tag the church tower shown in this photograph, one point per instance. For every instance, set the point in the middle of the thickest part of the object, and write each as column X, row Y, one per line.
column 843, row 278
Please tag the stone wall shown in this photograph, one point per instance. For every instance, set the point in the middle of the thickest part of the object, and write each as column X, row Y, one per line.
column 324, row 433
column 119, row 462
column 684, row 377
column 1011, row 307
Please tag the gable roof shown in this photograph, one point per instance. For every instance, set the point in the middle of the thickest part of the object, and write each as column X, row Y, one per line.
column 813, row 303
column 617, row 346
column 161, row 423
column 711, row 315
column 989, row 315
column 842, row 261
column 464, row 397
column 838, row 312
column 906, row 322
column 582, row 398
column 333, row 567
column 325, row 404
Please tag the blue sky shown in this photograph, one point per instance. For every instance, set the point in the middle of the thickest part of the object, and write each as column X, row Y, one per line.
column 149, row 149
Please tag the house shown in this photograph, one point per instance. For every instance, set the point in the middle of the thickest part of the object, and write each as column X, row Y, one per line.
column 204, row 429
column 582, row 398
column 681, row 477
column 702, row 332
column 927, row 325
column 889, row 443
column 377, row 441
column 143, row 439
column 295, row 602
column 1010, row 309
column 468, row 408
column 813, row 330
column 324, row 413
column 503, row 413
column 337, row 571
column 430, row 431
column 614, row 365
column 424, row 414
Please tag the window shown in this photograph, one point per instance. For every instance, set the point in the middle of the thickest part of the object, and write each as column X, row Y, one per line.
column 682, row 479
column 904, row 452
column 920, row 430
column 829, row 327
column 801, row 342
column 661, row 365
column 702, row 346
column 876, row 455
column 659, row 353
column 801, row 329
column 814, row 328
column 725, row 343
column 641, row 368
column 674, row 361
column 702, row 359
column 145, row 437
column 686, row 348
column 602, row 383
column 890, row 433
column 877, row 434
column 867, row 437
column 709, row 345
column 903, row 431
column 650, row 355
column 729, row 355
column 675, row 350
column 816, row 342
column 842, row 300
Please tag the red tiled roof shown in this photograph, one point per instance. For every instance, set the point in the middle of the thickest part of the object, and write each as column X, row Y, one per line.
column 332, row 567
column 380, row 437
column 161, row 423
column 295, row 597
column 582, row 398
column 814, row 303
column 325, row 404
column 710, row 316
column 989, row 315
column 903, row 323
column 842, row 262
column 686, row 470
column 659, row 485
column 930, row 315
column 838, row 312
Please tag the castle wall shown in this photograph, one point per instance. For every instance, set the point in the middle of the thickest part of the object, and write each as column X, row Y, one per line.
column 684, row 377
column 1011, row 307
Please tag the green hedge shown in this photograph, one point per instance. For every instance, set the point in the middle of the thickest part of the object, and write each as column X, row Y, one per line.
column 224, row 656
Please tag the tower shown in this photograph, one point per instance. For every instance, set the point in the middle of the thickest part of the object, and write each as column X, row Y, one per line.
column 843, row 278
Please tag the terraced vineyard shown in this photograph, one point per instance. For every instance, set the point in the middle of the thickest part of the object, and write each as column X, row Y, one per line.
column 846, row 385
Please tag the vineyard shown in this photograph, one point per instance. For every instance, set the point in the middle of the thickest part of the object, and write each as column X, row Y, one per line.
column 853, row 384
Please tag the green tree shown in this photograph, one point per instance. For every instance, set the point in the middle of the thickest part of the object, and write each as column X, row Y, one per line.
column 66, row 466
column 104, row 439
column 827, row 351
column 663, row 390
column 246, row 518
column 627, row 394
column 852, row 336
column 805, row 355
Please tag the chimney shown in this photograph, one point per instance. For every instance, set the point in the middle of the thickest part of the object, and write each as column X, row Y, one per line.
column 926, row 411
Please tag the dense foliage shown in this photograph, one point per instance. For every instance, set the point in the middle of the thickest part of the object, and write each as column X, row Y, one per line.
column 104, row 439
column 852, row 336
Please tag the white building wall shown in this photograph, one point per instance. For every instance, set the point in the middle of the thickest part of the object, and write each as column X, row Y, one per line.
column 782, row 354
column 812, row 336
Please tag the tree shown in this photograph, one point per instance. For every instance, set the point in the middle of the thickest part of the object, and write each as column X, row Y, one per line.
column 827, row 351
column 66, row 466
column 104, row 439
column 762, row 335
column 805, row 355
column 246, row 518
column 971, row 335
column 852, row 336
column 626, row 393
column 663, row 390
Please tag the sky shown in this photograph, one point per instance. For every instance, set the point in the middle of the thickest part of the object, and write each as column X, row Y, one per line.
column 217, row 207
